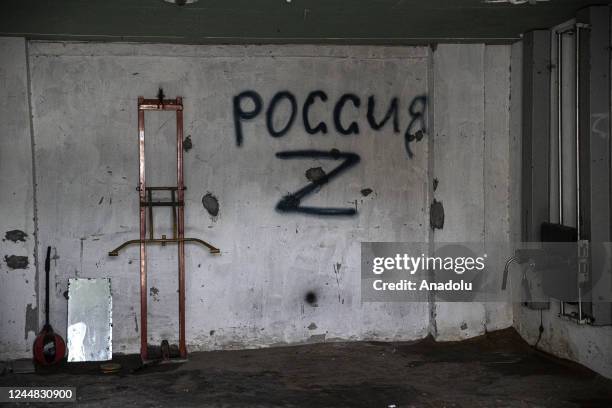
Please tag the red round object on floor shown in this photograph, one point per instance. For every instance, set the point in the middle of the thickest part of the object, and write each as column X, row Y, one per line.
column 49, row 348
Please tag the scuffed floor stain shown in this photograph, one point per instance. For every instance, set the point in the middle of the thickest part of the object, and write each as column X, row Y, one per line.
column 436, row 215
column 15, row 235
column 16, row 261
column 31, row 320
column 211, row 204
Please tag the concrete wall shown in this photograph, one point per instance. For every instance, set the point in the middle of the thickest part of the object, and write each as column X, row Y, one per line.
column 587, row 345
column 471, row 163
column 18, row 279
column 254, row 293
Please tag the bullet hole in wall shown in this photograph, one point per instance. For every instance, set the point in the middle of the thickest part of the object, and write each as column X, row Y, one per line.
column 311, row 298
column 366, row 192
column 315, row 174
column 211, row 203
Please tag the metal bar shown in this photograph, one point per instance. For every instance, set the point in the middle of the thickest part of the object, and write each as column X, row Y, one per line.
column 174, row 219
column 162, row 188
column 560, row 122
column 149, row 203
column 535, row 168
column 162, row 204
column 562, row 308
column 560, row 135
column 143, row 233
column 181, row 227
column 115, row 252
column 153, row 104
column 577, row 102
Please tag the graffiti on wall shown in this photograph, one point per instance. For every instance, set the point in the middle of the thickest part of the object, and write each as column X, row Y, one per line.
column 249, row 105
column 414, row 131
column 291, row 202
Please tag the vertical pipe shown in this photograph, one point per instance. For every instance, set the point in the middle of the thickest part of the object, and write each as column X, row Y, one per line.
column 150, row 209
column 560, row 135
column 577, row 102
column 143, row 232
column 560, row 122
column 181, row 225
column 174, row 229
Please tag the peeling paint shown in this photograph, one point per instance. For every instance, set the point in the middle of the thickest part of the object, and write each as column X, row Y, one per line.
column 31, row 320
column 16, row 262
column 436, row 215
column 317, row 338
column 337, row 267
column 154, row 292
column 15, row 235
column 312, row 326
column 187, row 144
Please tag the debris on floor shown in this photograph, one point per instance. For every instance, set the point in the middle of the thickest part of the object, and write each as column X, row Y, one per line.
column 495, row 370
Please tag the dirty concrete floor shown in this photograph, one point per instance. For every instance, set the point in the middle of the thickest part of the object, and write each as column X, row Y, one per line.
column 496, row 370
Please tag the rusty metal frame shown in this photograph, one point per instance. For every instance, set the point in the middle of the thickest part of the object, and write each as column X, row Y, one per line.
column 178, row 216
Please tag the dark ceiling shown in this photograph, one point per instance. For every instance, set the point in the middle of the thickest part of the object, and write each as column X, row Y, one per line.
column 282, row 21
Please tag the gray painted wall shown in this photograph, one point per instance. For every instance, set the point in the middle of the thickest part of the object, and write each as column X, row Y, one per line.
column 252, row 295
column 18, row 300
column 471, row 162
column 587, row 345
